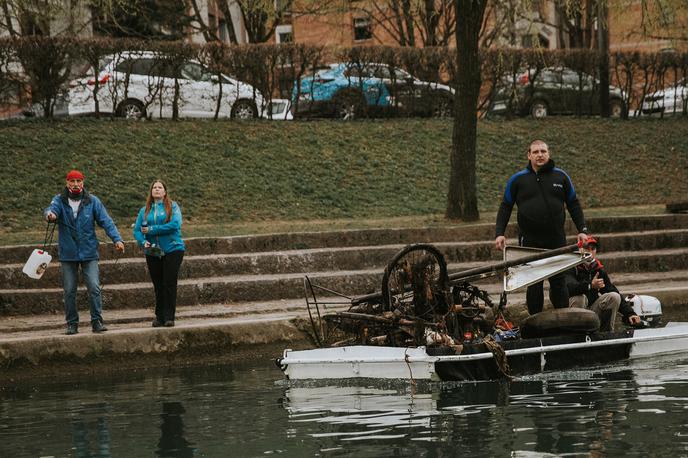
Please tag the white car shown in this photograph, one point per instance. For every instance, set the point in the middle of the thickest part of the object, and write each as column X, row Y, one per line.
column 138, row 84
column 668, row 101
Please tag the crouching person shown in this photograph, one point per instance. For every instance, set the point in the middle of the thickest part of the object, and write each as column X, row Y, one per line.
column 589, row 287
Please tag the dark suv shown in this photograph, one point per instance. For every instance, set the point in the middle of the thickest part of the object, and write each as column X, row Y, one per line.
column 552, row 91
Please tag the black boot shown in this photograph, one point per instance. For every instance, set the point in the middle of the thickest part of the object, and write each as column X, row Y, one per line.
column 98, row 326
column 72, row 329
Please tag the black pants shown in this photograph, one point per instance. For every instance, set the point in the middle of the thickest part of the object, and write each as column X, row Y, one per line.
column 163, row 273
column 558, row 292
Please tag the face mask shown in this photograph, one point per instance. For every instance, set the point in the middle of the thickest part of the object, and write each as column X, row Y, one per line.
column 75, row 190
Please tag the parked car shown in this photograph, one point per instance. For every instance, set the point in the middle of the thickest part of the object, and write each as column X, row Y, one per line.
column 136, row 84
column 552, row 91
column 337, row 90
column 410, row 95
column 347, row 90
column 668, row 101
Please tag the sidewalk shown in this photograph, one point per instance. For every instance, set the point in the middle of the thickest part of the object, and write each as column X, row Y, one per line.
column 36, row 346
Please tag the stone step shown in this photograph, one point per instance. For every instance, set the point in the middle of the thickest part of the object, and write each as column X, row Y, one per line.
column 671, row 290
column 366, row 237
column 128, row 270
column 18, row 326
column 266, row 287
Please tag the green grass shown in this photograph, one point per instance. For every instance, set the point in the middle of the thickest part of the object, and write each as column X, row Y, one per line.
column 237, row 177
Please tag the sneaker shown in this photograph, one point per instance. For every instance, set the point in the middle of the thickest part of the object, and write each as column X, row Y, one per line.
column 72, row 329
column 98, row 326
column 157, row 324
column 169, row 324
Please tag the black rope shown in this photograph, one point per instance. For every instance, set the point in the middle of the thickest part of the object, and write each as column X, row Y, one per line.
column 49, row 234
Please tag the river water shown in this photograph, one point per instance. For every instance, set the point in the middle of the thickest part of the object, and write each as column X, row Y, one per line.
column 248, row 410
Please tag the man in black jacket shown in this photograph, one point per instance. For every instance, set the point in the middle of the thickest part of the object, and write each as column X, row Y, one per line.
column 589, row 287
column 541, row 191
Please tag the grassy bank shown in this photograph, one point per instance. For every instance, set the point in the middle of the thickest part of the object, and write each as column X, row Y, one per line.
column 238, row 174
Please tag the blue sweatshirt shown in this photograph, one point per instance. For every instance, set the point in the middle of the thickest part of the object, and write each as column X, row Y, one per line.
column 167, row 236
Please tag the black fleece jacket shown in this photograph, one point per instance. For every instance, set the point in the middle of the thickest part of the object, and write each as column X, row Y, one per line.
column 578, row 281
column 540, row 197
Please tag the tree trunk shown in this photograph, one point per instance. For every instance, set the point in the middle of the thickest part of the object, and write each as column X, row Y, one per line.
column 462, row 198
column 409, row 22
column 603, row 47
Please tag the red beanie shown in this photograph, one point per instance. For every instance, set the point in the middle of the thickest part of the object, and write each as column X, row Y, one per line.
column 75, row 175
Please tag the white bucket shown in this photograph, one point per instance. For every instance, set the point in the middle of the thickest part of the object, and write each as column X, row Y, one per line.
column 37, row 263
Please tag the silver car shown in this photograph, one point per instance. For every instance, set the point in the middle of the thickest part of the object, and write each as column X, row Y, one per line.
column 668, row 101
column 137, row 84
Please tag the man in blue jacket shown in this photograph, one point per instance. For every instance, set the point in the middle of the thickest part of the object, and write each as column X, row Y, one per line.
column 76, row 212
column 541, row 191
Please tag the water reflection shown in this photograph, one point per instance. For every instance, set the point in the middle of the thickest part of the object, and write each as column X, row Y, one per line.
column 560, row 414
column 172, row 442
column 83, row 432
column 626, row 410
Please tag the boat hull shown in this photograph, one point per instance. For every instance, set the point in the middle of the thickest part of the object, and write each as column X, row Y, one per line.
column 524, row 356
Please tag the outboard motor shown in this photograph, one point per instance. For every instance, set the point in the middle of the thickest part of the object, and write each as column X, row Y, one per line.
column 648, row 308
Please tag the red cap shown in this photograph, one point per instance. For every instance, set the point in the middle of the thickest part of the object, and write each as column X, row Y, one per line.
column 75, row 175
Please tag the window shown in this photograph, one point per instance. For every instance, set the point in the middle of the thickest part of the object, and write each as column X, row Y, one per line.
column 135, row 66
column 575, row 80
column 196, row 72
column 355, row 71
column 284, row 34
column 401, row 74
column 538, row 40
column 222, row 31
column 362, row 29
column 104, row 62
column 381, row 72
column 146, row 66
column 547, row 76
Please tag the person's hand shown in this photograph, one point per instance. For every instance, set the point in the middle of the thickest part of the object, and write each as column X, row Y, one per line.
column 146, row 244
column 500, row 242
column 51, row 216
column 634, row 320
column 597, row 282
column 119, row 246
column 582, row 239
column 144, row 229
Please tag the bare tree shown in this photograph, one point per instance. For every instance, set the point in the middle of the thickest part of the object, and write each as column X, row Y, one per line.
column 413, row 23
column 662, row 20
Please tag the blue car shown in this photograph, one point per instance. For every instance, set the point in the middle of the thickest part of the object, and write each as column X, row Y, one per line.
column 340, row 90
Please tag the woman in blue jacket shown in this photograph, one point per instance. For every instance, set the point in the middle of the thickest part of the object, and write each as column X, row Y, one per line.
column 158, row 231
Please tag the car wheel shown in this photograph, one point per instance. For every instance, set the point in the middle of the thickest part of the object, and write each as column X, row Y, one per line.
column 539, row 109
column 131, row 109
column 443, row 107
column 244, row 109
column 616, row 108
column 349, row 105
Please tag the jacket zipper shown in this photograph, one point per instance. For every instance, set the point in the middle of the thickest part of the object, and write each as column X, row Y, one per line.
column 155, row 222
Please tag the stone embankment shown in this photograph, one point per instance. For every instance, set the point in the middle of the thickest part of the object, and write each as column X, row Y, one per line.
column 241, row 291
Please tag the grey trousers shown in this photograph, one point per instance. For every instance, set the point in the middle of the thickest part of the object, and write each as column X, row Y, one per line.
column 606, row 306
